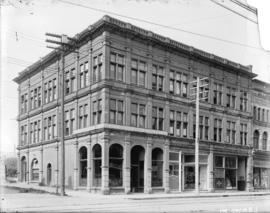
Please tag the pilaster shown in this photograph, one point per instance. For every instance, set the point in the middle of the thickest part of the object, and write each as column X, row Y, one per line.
column 89, row 167
column 105, row 165
column 249, row 185
column 127, row 164
column 166, row 167
column 148, row 167
column 76, row 164
column 210, row 175
column 41, row 180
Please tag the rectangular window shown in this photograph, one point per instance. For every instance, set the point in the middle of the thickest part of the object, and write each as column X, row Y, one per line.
column 157, row 78
column 243, row 101
column 243, row 134
column 116, row 112
column 138, row 115
column 97, row 111
column 84, row 75
column 69, row 121
column 172, row 122
column 97, row 68
column 138, row 72
column 217, row 94
column 178, row 83
column 117, row 65
column 217, row 129
column 185, row 124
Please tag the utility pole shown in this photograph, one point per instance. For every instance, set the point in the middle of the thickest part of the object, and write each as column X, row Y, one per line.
column 64, row 46
column 197, row 93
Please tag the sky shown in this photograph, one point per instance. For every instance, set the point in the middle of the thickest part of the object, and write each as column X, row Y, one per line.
column 235, row 35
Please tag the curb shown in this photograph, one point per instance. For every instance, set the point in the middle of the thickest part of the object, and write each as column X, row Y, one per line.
column 201, row 196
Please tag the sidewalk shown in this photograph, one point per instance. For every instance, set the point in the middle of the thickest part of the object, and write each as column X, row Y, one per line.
column 24, row 187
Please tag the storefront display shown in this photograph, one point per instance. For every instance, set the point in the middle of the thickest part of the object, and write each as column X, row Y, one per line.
column 225, row 172
column 261, row 178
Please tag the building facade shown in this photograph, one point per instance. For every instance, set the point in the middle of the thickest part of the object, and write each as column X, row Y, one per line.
column 261, row 131
column 130, row 118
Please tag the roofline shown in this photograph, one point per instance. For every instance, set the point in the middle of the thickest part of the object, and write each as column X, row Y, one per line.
column 247, row 70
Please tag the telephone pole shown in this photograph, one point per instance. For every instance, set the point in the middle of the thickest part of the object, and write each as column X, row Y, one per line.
column 200, row 90
column 64, row 47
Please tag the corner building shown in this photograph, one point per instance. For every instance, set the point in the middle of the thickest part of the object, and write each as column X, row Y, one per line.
column 129, row 115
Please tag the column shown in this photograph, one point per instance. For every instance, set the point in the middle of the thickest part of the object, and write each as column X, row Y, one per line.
column 148, row 167
column 180, row 171
column 89, row 167
column 41, row 180
column 166, row 167
column 249, row 185
column 126, row 172
column 76, row 166
column 57, row 168
column 210, row 173
column 19, row 169
column 28, row 167
column 105, row 166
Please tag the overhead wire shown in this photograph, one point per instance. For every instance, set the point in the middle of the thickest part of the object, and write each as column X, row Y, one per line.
column 160, row 25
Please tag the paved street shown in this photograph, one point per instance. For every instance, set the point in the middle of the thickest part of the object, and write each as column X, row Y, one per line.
column 84, row 202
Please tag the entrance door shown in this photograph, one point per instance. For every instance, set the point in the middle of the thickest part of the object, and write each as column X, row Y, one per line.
column 189, row 178
column 203, row 177
column 23, row 169
column 137, row 169
column 49, row 174
column 174, row 176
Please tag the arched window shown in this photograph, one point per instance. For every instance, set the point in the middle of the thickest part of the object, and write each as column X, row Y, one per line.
column 254, row 112
column 83, row 166
column 23, row 169
column 97, row 165
column 116, row 165
column 34, row 170
column 256, row 139
column 49, row 174
column 264, row 141
column 157, row 167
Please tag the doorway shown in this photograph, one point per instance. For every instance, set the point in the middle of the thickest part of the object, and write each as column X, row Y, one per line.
column 23, row 169
column 49, row 174
column 137, row 169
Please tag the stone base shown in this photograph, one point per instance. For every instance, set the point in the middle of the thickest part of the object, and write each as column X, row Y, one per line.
column 105, row 191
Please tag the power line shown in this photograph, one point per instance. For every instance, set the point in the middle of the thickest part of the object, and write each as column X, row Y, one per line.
column 233, row 11
column 160, row 25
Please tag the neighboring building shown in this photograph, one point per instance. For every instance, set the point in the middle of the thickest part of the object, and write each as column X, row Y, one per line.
column 129, row 118
column 261, row 131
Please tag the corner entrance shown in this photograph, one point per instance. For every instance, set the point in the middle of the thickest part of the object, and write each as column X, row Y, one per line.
column 137, row 169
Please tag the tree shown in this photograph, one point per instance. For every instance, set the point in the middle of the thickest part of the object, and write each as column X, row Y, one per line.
column 11, row 166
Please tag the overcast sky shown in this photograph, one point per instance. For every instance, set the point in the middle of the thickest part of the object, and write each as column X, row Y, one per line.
column 24, row 24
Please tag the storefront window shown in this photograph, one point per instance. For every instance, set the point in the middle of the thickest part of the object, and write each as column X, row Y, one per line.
column 83, row 166
column 97, row 165
column 115, row 165
column 157, row 167
column 219, row 161
column 261, row 178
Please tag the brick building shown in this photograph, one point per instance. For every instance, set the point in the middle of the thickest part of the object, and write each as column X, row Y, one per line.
column 260, row 131
column 129, row 118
